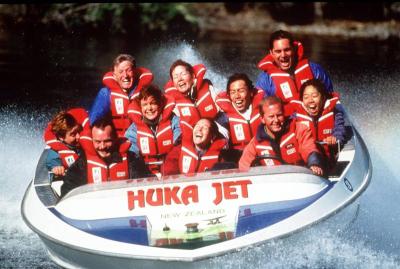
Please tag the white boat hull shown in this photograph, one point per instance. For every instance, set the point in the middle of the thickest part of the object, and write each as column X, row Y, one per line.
column 258, row 206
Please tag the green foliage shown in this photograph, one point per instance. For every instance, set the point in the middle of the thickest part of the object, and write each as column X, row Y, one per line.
column 113, row 17
column 160, row 16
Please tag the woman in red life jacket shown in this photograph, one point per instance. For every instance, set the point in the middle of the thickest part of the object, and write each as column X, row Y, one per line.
column 62, row 137
column 122, row 85
column 155, row 129
column 239, row 113
column 325, row 116
column 201, row 149
column 286, row 141
column 194, row 96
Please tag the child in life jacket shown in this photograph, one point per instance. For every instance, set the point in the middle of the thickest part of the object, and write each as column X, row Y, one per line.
column 62, row 137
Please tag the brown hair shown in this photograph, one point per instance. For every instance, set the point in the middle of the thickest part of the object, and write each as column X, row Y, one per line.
column 187, row 65
column 124, row 57
column 62, row 123
column 268, row 101
column 154, row 91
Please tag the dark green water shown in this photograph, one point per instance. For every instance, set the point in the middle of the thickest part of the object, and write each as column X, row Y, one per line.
column 41, row 74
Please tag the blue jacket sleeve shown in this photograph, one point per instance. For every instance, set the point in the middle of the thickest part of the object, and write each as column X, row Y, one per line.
column 101, row 106
column 176, row 128
column 314, row 159
column 53, row 160
column 265, row 83
column 222, row 122
column 222, row 119
column 339, row 129
column 131, row 134
column 321, row 74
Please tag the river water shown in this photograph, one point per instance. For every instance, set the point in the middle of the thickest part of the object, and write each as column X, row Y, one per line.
column 41, row 74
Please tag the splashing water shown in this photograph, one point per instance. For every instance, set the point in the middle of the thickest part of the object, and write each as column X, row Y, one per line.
column 371, row 241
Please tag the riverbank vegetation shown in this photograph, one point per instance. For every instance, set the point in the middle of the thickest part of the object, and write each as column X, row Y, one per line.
column 381, row 19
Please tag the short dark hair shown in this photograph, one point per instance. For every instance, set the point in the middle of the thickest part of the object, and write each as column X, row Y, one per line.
column 124, row 57
column 178, row 62
column 62, row 123
column 280, row 34
column 239, row 76
column 151, row 90
column 318, row 85
column 103, row 122
column 270, row 100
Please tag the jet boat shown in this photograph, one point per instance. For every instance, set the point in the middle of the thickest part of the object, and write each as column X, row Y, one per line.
column 175, row 220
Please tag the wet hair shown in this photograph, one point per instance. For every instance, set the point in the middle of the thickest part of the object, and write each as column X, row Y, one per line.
column 103, row 122
column 62, row 123
column 268, row 101
column 124, row 57
column 178, row 62
column 154, row 91
column 318, row 85
column 239, row 76
column 280, row 34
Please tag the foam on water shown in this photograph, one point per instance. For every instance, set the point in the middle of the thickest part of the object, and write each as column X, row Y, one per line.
column 371, row 241
column 165, row 55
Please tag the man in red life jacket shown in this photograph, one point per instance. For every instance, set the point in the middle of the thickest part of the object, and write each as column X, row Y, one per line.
column 105, row 158
column 62, row 136
column 285, row 69
column 239, row 113
column 155, row 129
column 123, row 84
column 286, row 140
column 201, row 149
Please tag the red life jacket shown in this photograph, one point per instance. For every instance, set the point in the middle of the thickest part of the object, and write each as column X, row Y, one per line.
column 120, row 100
column 190, row 162
column 289, row 149
column 67, row 156
column 286, row 87
column 152, row 147
column 97, row 170
column 204, row 106
column 321, row 127
column 241, row 131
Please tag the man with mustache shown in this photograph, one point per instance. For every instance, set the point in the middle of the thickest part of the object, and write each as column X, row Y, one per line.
column 105, row 158
column 285, row 69
column 285, row 140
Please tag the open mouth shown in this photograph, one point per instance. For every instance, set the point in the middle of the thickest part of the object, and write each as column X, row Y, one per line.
column 312, row 108
column 285, row 63
column 239, row 102
column 182, row 85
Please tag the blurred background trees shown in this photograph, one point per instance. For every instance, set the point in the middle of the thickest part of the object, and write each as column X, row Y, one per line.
column 191, row 18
